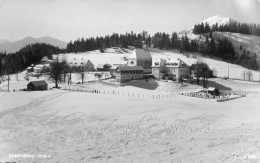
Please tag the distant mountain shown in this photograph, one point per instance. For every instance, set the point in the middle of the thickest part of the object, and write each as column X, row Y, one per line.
column 211, row 21
column 3, row 40
column 11, row 47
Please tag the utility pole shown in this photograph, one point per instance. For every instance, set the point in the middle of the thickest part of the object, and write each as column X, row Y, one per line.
column 8, row 78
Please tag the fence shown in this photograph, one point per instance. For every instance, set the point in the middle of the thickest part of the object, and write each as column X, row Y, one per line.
column 217, row 98
column 125, row 94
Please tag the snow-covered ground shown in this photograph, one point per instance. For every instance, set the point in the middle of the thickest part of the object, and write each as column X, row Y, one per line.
column 68, row 126
column 127, row 124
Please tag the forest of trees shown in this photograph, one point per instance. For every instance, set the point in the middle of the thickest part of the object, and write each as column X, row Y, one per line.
column 88, row 44
column 234, row 27
column 220, row 48
column 31, row 54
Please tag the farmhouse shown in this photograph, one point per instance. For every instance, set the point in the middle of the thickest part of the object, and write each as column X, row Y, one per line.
column 128, row 73
column 140, row 57
column 177, row 70
column 41, row 68
column 46, row 60
column 30, row 69
column 79, row 61
column 103, row 67
column 172, row 69
column 37, row 85
column 213, row 91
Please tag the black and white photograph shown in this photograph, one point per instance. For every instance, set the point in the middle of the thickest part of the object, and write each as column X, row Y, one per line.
column 129, row 81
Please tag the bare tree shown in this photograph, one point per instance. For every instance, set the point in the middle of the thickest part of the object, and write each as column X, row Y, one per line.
column 99, row 76
column 56, row 72
column 249, row 75
column 243, row 75
column 66, row 69
column 82, row 75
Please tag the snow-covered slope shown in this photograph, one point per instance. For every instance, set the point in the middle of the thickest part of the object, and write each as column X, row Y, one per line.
column 218, row 20
column 249, row 42
column 118, row 58
column 211, row 21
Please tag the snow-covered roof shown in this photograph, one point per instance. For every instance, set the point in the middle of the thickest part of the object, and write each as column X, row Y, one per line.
column 175, row 63
column 38, row 83
column 100, row 65
column 218, row 20
column 158, row 62
column 39, row 66
column 211, row 88
column 114, row 67
column 139, row 53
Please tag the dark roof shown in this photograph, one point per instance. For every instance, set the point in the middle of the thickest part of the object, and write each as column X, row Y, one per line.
column 38, row 83
column 130, row 68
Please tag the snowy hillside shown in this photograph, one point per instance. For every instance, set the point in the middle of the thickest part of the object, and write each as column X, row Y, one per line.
column 118, row 58
column 218, row 20
column 249, row 42
column 211, row 21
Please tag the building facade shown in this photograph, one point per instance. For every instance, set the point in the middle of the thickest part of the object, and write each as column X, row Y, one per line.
column 37, row 85
column 140, row 57
column 128, row 73
column 159, row 68
column 170, row 69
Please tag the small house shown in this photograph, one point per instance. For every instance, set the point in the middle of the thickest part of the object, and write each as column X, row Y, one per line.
column 46, row 60
column 37, row 85
column 30, row 69
column 103, row 67
column 213, row 91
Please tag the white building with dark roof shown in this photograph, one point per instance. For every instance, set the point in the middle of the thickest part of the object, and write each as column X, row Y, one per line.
column 174, row 69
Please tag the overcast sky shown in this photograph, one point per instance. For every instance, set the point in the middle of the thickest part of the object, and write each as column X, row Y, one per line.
column 69, row 19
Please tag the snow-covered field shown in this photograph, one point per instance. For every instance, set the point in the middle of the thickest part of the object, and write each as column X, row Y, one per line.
column 74, row 126
column 68, row 126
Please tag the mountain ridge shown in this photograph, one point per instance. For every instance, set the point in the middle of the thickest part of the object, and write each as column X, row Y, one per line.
column 12, row 47
column 217, row 19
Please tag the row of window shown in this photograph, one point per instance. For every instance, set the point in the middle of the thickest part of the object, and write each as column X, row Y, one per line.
column 130, row 77
column 131, row 72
